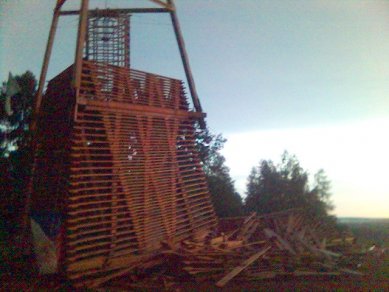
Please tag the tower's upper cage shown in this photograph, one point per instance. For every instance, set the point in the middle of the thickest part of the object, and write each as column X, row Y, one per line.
column 108, row 38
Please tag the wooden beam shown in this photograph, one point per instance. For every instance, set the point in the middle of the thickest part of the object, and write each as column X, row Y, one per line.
column 82, row 26
column 185, row 61
column 145, row 110
column 285, row 244
column 46, row 60
column 59, row 5
column 36, row 110
column 236, row 271
column 166, row 5
column 123, row 10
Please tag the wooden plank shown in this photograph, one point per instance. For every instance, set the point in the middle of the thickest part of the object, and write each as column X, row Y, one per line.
column 144, row 110
column 237, row 270
column 163, row 4
column 82, row 27
column 46, row 61
column 185, row 61
column 113, row 11
column 270, row 233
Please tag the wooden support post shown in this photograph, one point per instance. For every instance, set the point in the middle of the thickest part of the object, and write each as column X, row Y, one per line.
column 38, row 100
column 59, row 4
column 185, row 61
column 82, row 25
column 46, row 60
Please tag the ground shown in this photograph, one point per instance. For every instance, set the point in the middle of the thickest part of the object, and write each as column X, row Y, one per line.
column 17, row 275
column 376, row 279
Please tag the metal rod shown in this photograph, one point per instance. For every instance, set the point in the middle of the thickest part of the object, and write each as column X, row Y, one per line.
column 110, row 11
column 80, row 45
column 185, row 61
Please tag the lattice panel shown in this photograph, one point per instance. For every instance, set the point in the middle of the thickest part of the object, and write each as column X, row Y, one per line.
column 133, row 175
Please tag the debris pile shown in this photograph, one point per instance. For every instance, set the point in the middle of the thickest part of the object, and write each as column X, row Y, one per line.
column 261, row 247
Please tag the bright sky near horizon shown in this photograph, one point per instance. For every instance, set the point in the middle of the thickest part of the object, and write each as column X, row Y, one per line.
column 307, row 76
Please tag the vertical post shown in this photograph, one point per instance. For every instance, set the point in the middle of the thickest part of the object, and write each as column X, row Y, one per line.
column 127, row 56
column 185, row 61
column 26, row 234
column 42, row 81
column 46, row 60
column 82, row 25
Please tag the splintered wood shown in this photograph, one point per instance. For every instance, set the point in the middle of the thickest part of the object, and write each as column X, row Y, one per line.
column 262, row 247
column 117, row 168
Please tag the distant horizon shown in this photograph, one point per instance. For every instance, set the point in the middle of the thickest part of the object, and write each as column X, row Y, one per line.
column 363, row 218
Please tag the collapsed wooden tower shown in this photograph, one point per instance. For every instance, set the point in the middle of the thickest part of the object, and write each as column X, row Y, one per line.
column 116, row 171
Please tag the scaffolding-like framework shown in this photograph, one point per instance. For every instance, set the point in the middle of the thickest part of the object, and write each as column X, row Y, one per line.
column 116, row 168
column 167, row 7
column 108, row 38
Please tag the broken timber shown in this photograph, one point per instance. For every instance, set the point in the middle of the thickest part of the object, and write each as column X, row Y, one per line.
column 240, row 268
column 219, row 259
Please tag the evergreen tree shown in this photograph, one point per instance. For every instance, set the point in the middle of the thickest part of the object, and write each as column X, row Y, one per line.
column 273, row 188
column 15, row 120
column 227, row 202
column 15, row 154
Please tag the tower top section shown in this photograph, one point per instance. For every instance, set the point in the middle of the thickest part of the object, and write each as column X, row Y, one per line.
column 108, row 38
column 103, row 36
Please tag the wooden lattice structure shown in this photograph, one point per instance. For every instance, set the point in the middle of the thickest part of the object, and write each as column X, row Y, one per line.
column 116, row 171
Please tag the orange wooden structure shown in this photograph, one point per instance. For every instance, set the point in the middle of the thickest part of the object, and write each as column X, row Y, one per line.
column 116, row 168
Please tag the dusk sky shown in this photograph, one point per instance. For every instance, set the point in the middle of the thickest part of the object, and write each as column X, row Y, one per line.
column 310, row 77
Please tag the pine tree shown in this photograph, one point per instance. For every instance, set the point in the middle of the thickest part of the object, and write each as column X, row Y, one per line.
column 226, row 200
column 273, row 188
column 15, row 154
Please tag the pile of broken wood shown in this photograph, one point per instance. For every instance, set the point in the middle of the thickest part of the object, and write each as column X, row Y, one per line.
column 253, row 248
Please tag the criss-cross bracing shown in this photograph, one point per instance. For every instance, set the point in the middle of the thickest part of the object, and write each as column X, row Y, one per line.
column 116, row 172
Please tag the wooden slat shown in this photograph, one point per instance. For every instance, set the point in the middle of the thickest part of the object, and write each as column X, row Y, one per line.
column 236, row 271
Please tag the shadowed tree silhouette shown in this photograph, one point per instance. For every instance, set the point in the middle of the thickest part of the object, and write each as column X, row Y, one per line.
column 272, row 188
column 227, row 202
column 15, row 156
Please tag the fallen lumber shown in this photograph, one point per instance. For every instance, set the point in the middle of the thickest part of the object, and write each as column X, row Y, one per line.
column 270, row 275
column 327, row 252
column 236, row 271
column 351, row 272
column 287, row 244
column 270, row 233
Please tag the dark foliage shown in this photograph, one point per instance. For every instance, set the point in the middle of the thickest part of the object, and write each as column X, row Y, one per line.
column 226, row 200
column 15, row 127
column 15, row 162
column 273, row 188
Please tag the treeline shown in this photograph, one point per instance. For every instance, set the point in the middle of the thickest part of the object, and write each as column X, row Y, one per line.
column 369, row 231
column 271, row 187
